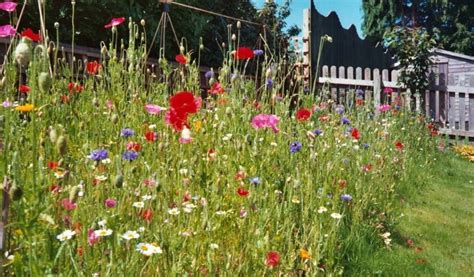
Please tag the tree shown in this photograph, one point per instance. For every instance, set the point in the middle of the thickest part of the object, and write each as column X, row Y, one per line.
column 452, row 18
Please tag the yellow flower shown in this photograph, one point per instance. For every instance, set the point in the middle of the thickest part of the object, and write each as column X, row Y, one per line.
column 304, row 255
column 465, row 150
column 197, row 125
column 25, row 108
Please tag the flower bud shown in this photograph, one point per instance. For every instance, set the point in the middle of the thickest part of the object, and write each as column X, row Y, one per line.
column 23, row 52
column 56, row 25
column 44, row 82
column 142, row 22
column 268, row 73
column 118, row 181
column 234, row 37
column 114, row 118
column 61, row 145
column 15, row 192
column 239, row 24
column 74, row 193
column 52, row 134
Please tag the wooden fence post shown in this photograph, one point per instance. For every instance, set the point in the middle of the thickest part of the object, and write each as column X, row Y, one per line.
column 377, row 93
column 417, row 102
column 408, row 99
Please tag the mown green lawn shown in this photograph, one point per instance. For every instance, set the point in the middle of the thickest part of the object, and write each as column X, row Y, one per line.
column 438, row 221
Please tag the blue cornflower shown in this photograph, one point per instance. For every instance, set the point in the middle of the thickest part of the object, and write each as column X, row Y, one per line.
column 269, row 83
column 360, row 92
column 346, row 197
column 306, row 90
column 99, row 155
column 255, row 181
column 127, row 132
column 130, row 155
column 318, row 132
column 209, row 74
column 295, row 147
column 365, row 145
column 345, row 120
column 258, row 52
column 340, row 109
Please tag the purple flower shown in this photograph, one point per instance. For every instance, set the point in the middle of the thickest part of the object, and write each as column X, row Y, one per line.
column 365, row 145
column 360, row 92
column 7, row 31
column 306, row 90
column 346, row 197
column 345, row 120
column 127, row 132
column 7, row 104
column 99, row 155
column 258, row 52
column 340, row 109
column 269, row 83
column 255, row 181
column 318, row 132
column 209, row 74
column 110, row 202
column 130, row 155
column 295, row 147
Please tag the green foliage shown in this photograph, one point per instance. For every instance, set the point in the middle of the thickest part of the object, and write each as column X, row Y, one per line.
column 412, row 48
column 452, row 18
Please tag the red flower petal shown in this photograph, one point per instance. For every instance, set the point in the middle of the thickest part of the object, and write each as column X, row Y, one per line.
column 181, row 59
column 115, row 22
column 24, row 89
column 303, row 114
column 28, row 33
column 244, row 53
column 273, row 259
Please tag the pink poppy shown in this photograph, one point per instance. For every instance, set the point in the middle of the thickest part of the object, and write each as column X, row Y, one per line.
column 388, row 90
column 384, row 108
column 68, row 204
column 216, row 88
column 7, row 31
column 91, row 237
column 266, row 121
column 153, row 109
column 115, row 22
column 8, row 6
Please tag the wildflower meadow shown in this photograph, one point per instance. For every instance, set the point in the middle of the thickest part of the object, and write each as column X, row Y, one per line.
column 116, row 170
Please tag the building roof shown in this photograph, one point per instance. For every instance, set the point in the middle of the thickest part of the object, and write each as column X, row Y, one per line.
column 454, row 55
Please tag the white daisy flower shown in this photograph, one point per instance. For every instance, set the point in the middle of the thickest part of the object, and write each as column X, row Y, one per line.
column 101, row 177
column 66, row 235
column 147, row 197
column 103, row 232
column 322, row 210
column 102, row 223
column 174, row 211
column 148, row 249
column 336, row 215
column 130, row 235
column 138, row 205
column 214, row 246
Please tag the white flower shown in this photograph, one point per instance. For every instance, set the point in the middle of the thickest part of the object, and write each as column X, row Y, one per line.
column 147, row 197
column 183, row 171
column 336, row 215
column 103, row 232
column 130, row 235
column 141, row 229
column 138, row 205
column 174, row 211
column 214, row 246
column 190, row 206
column 106, row 161
column 102, row 223
column 59, row 174
column 66, row 235
column 148, row 249
column 385, row 235
column 152, row 126
column 221, row 213
column 322, row 210
column 101, row 177
column 187, row 210
column 273, row 144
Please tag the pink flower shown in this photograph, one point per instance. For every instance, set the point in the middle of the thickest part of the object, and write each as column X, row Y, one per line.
column 387, row 90
column 115, row 22
column 68, row 204
column 8, row 6
column 91, row 237
column 185, row 136
column 110, row 104
column 384, row 108
column 153, row 109
column 7, row 31
column 110, row 203
column 266, row 121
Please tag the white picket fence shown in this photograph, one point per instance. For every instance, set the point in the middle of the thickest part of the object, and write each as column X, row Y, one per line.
column 451, row 107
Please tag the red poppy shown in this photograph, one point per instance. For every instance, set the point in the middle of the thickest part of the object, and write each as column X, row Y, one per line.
column 181, row 59
column 257, row 105
column 410, row 243
column 52, row 165
column 147, row 214
column 80, row 251
column 64, row 98
column 55, row 189
column 216, row 88
column 74, row 87
column 360, row 102
column 242, row 192
column 355, row 133
column 28, row 33
column 367, row 168
column 244, row 53
column 134, row 146
column 303, row 114
column 273, row 259
column 399, row 145
column 93, row 67
column 342, row 184
column 150, row 136
column 182, row 104
column 24, row 89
